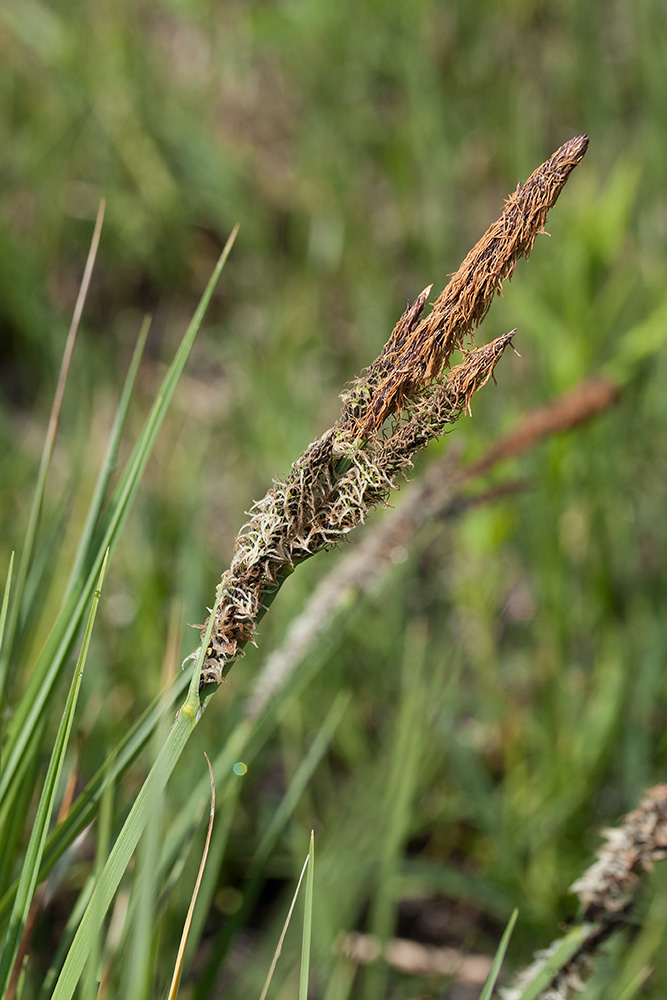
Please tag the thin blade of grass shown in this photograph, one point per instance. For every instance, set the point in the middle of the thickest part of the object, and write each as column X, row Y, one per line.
column 5, row 599
column 407, row 750
column 90, row 986
column 128, row 838
column 35, row 848
column 281, row 939
column 245, row 741
column 304, row 970
column 490, row 983
column 86, row 541
column 302, row 778
column 85, row 806
column 35, row 701
column 45, row 462
column 271, row 835
column 67, row 937
column 12, row 827
column 561, row 954
column 140, row 919
column 636, row 984
column 178, row 968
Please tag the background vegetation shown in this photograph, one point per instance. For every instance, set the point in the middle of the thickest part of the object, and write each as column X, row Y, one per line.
column 503, row 692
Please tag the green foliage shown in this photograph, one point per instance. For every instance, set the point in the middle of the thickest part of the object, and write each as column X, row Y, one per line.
column 459, row 738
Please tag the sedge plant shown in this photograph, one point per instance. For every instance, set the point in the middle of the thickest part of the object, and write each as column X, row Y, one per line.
column 410, row 395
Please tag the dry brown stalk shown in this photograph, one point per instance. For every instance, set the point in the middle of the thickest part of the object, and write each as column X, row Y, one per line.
column 415, row 959
column 355, row 465
column 580, row 403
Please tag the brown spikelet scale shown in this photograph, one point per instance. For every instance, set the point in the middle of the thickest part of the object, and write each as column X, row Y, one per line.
column 416, row 353
column 355, row 465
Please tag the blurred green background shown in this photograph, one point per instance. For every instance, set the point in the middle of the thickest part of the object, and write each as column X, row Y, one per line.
column 363, row 147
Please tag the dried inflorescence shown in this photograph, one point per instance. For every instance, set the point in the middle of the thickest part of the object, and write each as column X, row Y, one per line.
column 417, row 350
column 607, row 891
column 328, row 492
column 440, row 493
column 401, row 403
column 631, row 850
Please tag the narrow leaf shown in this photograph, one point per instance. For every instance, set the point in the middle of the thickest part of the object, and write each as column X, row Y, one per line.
column 490, row 983
column 47, row 800
column 128, row 838
column 47, row 451
column 279, row 946
column 45, row 674
column 304, row 971
column 178, row 968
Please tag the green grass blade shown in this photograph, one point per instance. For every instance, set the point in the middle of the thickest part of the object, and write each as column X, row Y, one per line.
column 4, row 661
column 559, row 955
column 304, row 971
column 178, row 967
column 121, row 853
column 5, row 599
column 96, row 504
column 45, row 808
column 90, row 984
column 407, row 750
column 140, row 923
column 13, row 824
column 636, row 983
column 85, row 805
column 280, row 818
column 490, row 983
column 65, row 942
column 45, row 462
column 47, row 670
column 281, row 939
column 128, row 838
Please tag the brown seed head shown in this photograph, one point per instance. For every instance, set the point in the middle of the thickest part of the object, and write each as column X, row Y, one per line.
column 417, row 351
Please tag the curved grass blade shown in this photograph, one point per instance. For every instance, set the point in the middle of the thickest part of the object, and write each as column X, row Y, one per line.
column 90, row 985
column 561, row 954
column 281, row 939
column 304, row 971
column 49, row 665
column 128, row 838
column 45, row 462
column 85, row 806
column 140, row 916
column 86, row 543
column 271, row 835
column 178, row 969
column 5, row 599
column 45, row 808
column 490, row 983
